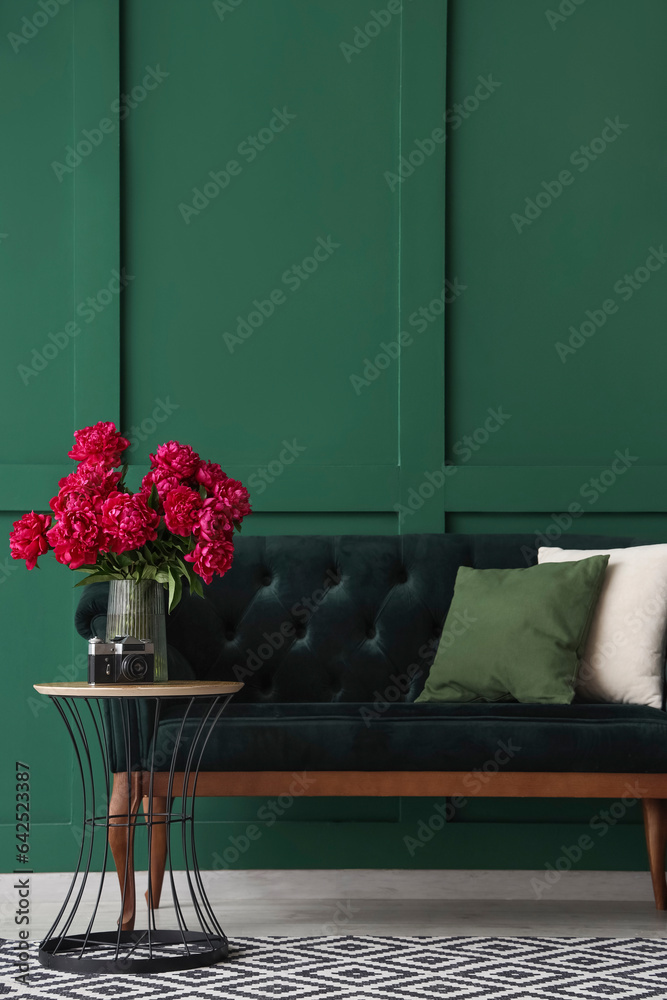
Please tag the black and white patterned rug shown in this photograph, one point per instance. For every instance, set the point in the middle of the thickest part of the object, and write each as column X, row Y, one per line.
column 381, row 968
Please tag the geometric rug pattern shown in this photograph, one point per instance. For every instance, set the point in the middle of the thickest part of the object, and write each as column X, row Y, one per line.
column 366, row 967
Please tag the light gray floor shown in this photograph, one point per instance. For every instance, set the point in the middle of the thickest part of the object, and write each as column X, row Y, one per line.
column 607, row 904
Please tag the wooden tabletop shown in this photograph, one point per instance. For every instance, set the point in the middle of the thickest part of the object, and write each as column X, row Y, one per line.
column 159, row 689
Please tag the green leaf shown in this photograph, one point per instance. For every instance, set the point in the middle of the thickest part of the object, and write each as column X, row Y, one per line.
column 182, row 565
column 153, row 499
column 196, row 584
column 162, row 575
column 194, row 581
column 95, row 578
column 175, row 588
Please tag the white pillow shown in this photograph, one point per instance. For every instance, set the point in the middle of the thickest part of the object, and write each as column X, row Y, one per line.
column 625, row 651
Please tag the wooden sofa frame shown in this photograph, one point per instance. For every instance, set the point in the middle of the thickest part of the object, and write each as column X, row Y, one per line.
column 652, row 790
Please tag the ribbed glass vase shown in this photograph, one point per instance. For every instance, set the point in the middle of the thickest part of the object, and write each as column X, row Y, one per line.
column 137, row 609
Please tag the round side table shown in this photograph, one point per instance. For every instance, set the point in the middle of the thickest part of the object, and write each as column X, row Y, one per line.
column 148, row 771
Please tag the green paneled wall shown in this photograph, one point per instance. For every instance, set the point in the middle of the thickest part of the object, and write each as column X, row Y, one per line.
column 279, row 196
column 58, row 248
column 558, row 90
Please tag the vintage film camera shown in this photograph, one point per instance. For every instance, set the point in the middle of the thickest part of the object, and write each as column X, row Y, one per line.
column 123, row 660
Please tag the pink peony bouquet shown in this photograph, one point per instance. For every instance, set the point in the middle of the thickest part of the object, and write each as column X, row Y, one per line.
column 180, row 524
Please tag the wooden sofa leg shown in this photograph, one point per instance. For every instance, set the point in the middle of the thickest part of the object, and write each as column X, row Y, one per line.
column 158, row 847
column 121, row 838
column 655, row 826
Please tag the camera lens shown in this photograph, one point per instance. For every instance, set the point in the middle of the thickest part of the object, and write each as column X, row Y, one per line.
column 134, row 667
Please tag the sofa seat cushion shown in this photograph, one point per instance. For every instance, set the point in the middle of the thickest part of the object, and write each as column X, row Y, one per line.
column 426, row 737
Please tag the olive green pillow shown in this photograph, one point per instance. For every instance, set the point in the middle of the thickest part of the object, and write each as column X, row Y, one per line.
column 516, row 634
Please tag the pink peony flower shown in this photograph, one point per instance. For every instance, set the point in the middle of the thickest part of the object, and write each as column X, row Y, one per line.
column 128, row 522
column 234, row 496
column 95, row 515
column 100, row 445
column 87, row 482
column 209, row 474
column 182, row 510
column 74, row 554
column 214, row 521
column 176, row 459
column 28, row 540
column 209, row 558
column 163, row 481
column 77, row 537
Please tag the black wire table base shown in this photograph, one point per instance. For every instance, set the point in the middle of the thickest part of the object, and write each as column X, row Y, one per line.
column 149, row 949
column 102, row 953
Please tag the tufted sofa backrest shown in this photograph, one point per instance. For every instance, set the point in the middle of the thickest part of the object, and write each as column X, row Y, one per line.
column 348, row 618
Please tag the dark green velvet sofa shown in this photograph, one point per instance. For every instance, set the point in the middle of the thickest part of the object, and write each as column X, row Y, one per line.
column 333, row 638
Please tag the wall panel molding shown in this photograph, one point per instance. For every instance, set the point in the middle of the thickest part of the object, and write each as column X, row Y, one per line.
column 96, row 55
column 547, row 488
column 422, row 253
